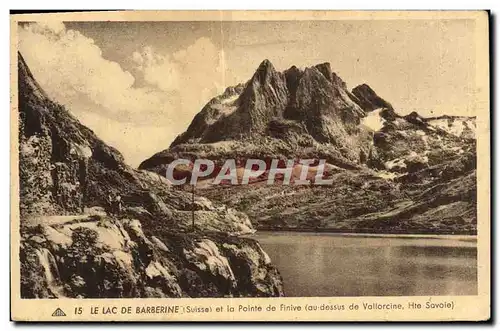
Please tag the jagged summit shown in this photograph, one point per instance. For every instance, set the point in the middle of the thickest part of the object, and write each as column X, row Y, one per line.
column 309, row 96
column 264, row 96
column 368, row 99
column 310, row 105
column 266, row 64
column 325, row 69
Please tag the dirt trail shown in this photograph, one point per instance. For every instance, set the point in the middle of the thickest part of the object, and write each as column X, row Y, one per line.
column 54, row 219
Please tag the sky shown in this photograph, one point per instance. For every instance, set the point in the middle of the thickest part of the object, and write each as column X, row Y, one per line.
column 139, row 84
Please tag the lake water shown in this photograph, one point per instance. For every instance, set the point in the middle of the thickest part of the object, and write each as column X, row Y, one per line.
column 383, row 265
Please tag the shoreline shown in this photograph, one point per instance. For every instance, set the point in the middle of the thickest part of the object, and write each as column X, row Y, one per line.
column 467, row 236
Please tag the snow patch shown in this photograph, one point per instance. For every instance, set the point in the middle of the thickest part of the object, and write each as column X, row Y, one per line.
column 226, row 106
column 454, row 126
column 457, row 128
column 398, row 122
column 81, row 150
column 373, row 120
column 225, row 109
column 229, row 99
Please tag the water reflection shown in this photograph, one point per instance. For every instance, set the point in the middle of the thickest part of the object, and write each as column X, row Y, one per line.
column 346, row 265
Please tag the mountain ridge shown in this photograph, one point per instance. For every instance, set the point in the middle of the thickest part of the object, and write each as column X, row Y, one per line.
column 382, row 163
column 274, row 112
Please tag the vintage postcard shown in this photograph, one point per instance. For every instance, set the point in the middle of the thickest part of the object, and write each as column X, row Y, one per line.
column 250, row 166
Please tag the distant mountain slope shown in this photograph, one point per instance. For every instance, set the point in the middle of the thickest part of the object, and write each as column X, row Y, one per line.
column 411, row 142
column 438, row 199
column 384, row 162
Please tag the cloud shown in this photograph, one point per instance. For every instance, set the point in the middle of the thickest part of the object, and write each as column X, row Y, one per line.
column 68, row 64
column 150, row 105
column 136, row 143
column 199, row 67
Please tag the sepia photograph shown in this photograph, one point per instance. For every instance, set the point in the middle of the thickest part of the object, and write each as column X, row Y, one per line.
column 243, row 155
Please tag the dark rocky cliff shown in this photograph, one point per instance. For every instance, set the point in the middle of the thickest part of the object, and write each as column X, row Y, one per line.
column 72, row 247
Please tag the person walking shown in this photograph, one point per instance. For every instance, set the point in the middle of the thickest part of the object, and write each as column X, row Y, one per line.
column 109, row 205
column 115, row 205
column 118, row 205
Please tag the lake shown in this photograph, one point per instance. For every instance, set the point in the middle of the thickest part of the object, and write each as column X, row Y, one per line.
column 372, row 265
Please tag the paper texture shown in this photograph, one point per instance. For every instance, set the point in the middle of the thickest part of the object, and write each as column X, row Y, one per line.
column 250, row 166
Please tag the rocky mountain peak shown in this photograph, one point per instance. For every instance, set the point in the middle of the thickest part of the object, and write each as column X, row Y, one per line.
column 307, row 105
column 332, row 77
column 301, row 112
column 265, row 77
column 264, row 72
column 368, row 99
column 325, row 69
column 415, row 118
column 266, row 64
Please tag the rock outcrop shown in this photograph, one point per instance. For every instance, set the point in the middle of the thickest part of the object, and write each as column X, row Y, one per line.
column 102, row 257
column 74, row 245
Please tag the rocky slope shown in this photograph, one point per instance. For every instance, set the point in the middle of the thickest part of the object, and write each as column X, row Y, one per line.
column 71, row 247
column 437, row 199
column 392, row 173
column 410, row 143
column 102, row 257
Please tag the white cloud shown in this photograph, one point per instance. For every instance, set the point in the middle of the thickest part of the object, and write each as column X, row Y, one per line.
column 132, row 117
column 68, row 64
column 136, row 143
column 198, row 68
